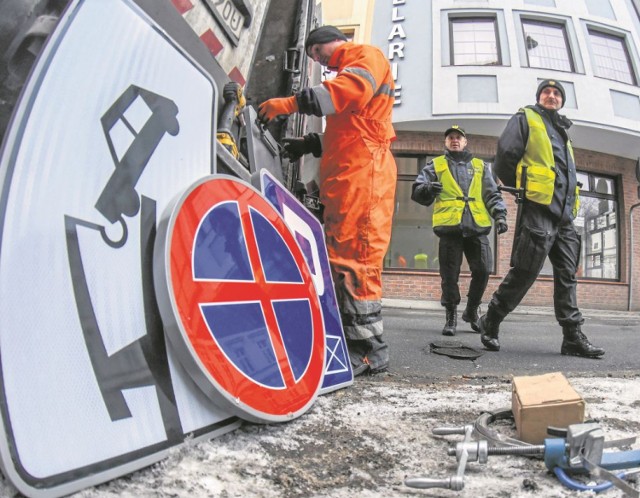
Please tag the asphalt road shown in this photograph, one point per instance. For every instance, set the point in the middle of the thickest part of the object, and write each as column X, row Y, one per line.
column 530, row 345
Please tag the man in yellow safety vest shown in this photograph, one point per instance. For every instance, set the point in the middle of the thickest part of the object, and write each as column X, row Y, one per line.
column 534, row 150
column 465, row 198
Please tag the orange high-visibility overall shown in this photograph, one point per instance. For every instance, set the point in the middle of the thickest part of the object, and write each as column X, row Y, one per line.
column 357, row 183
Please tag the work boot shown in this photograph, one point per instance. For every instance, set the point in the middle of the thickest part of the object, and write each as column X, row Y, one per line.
column 452, row 321
column 489, row 327
column 470, row 315
column 360, row 367
column 358, row 350
column 378, row 356
column 575, row 343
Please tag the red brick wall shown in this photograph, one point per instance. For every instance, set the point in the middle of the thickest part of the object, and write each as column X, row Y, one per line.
column 591, row 295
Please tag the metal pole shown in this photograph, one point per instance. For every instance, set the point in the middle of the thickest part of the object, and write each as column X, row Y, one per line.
column 521, row 197
column 631, row 254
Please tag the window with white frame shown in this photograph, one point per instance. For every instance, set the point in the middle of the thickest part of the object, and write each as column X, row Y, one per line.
column 597, row 224
column 474, row 41
column 611, row 58
column 547, row 45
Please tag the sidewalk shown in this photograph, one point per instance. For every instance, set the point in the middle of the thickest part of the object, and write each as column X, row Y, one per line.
column 521, row 310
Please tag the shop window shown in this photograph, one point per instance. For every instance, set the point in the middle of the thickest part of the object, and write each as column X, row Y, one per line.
column 474, row 41
column 597, row 224
column 611, row 57
column 414, row 246
column 547, row 45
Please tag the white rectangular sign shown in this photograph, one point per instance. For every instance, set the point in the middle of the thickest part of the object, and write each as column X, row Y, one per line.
column 114, row 122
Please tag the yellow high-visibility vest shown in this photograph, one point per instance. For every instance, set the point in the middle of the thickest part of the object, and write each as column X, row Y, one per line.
column 449, row 205
column 421, row 261
column 541, row 166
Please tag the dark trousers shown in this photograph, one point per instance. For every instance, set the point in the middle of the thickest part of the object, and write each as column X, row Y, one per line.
column 537, row 237
column 480, row 259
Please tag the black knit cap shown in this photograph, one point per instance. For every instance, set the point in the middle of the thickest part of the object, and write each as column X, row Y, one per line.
column 323, row 34
column 552, row 83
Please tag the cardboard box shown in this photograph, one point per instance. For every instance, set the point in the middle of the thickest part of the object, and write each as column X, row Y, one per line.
column 541, row 401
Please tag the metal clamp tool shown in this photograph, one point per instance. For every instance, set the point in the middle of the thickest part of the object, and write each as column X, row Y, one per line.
column 580, row 451
column 464, row 451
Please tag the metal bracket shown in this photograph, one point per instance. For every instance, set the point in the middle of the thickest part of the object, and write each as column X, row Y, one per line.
column 292, row 60
column 26, row 47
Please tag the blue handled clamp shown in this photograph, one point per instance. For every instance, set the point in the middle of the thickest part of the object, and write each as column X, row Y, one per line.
column 583, row 451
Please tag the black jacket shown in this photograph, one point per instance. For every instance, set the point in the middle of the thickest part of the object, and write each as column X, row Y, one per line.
column 462, row 171
column 511, row 148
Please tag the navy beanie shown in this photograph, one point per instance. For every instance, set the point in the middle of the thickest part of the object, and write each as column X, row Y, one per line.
column 552, row 83
column 323, row 34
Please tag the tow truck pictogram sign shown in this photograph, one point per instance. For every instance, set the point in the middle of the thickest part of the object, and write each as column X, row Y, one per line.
column 241, row 307
column 98, row 144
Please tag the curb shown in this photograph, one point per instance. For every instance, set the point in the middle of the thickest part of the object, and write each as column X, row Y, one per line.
column 520, row 310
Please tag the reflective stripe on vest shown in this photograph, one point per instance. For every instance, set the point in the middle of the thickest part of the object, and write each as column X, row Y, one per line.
column 541, row 166
column 449, row 204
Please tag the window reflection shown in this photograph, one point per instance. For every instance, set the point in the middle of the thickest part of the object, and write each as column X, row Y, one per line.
column 547, row 45
column 474, row 42
column 610, row 57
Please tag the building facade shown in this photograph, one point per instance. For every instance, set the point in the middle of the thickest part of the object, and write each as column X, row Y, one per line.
column 353, row 17
column 475, row 63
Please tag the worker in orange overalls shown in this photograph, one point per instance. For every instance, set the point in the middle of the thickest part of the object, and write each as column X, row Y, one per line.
column 357, row 179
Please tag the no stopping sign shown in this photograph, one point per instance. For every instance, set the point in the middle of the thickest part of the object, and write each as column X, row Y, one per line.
column 239, row 301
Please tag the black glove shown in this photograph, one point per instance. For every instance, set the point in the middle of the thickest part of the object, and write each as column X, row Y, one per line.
column 434, row 188
column 230, row 91
column 308, row 102
column 295, row 148
column 501, row 226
